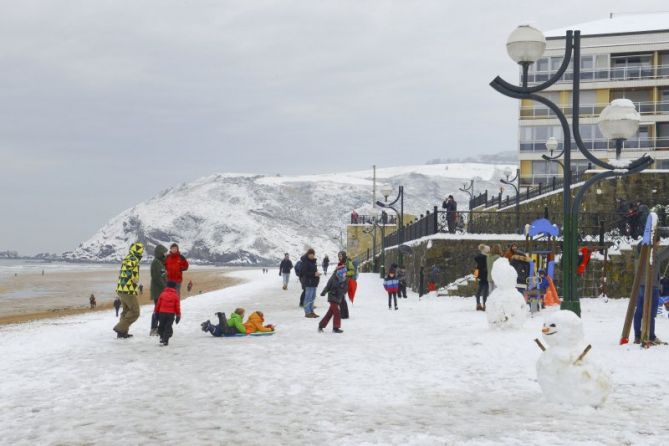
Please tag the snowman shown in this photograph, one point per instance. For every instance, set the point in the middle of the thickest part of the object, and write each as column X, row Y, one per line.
column 564, row 372
column 506, row 307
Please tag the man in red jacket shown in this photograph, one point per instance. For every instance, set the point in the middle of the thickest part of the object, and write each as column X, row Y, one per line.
column 168, row 309
column 175, row 265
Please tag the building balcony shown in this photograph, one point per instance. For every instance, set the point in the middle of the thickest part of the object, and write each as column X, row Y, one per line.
column 626, row 73
column 592, row 110
column 648, row 144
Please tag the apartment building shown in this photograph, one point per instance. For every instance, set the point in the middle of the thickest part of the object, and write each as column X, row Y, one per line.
column 623, row 56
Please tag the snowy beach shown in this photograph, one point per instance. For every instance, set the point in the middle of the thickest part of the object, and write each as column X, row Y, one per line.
column 432, row 373
column 64, row 289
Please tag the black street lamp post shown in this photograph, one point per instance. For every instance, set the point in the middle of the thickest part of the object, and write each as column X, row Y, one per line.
column 512, row 182
column 386, row 191
column 526, row 45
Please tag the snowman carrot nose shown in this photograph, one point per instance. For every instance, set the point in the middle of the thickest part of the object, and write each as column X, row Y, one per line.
column 545, row 330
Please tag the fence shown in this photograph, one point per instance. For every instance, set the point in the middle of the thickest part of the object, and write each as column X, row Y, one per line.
column 554, row 184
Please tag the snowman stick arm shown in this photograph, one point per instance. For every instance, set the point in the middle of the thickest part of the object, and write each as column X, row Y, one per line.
column 582, row 355
column 541, row 346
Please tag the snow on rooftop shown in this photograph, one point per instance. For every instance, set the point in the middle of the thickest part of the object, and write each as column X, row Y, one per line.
column 625, row 23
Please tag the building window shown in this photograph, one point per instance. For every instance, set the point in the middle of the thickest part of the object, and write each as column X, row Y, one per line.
column 634, row 66
column 662, row 164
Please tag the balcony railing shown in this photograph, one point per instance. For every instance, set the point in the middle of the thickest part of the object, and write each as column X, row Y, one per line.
column 592, row 110
column 626, row 73
column 649, row 144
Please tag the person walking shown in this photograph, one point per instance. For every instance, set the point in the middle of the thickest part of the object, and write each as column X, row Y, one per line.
column 92, row 301
column 168, row 309
column 285, row 268
column 336, row 289
column 175, row 265
column 451, row 207
column 311, row 277
column 326, row 264
column 483, row 289
column 189, row 287
column 127, row 289
column 421, row 282
column 391, row 284
column 141, row 289
column 343, row 260
column 402, row 277
column 117, row 305
column 158, row 282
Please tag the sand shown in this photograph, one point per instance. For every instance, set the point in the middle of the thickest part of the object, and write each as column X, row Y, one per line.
column 31, row 296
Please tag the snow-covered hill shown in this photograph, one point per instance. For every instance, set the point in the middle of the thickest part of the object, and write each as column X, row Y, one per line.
column 254, row 219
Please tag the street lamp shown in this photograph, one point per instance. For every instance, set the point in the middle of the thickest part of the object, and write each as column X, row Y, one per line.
column 525, row 47
column 386, row 190
column 619, row 121
column 372, row 231
column 512, row 182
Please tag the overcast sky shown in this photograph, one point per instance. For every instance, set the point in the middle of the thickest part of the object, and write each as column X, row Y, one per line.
column 104, row 103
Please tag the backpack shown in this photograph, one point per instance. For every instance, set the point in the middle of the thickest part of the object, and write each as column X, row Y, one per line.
column 298, row 268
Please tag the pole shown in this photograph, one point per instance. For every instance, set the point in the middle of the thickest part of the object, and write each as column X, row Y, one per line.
column 374, row 187
column 570, row 299
column 401, row 228
column 382, row 267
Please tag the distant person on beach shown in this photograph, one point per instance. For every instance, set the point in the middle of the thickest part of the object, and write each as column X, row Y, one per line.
column 189, row 287
column 127, row 289
column 92, row 301
column 325, row 264
column 117, row 305
column 168, row 309
column 158, row 282
column 141, row 289
column 285, row 267
column 175, row 265
column 42, row 272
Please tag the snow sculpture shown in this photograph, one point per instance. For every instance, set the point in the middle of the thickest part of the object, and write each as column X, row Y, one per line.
column 564, row 371
column 506, row 307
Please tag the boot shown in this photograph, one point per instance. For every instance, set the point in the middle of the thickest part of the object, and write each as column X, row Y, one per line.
column 320, row 329
column 483, row 307
column 637, row 340
column 337, row 330
column 205, row 326
column 396, row 308
column 154, row 332
column 479, row 307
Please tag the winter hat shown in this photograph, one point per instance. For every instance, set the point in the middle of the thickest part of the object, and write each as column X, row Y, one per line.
column 171, row 284
column 311, row 251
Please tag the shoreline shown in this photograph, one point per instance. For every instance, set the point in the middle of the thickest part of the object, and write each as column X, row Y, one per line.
column 207, row 280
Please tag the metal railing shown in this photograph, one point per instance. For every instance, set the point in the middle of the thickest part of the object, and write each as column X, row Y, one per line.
column 499, row 200
column 370, row 219
column 626, row 73
column 649, row 144
column 592, row 110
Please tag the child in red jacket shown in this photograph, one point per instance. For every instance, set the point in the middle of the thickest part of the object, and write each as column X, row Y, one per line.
column 168, row 309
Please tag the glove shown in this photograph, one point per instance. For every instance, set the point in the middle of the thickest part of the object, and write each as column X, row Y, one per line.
column 323, row 293
column 177, row 319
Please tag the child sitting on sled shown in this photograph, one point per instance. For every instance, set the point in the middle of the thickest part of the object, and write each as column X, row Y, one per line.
column 255, row 323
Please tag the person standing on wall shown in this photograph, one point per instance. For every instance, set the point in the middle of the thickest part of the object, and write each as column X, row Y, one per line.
column 175, row 265
column 451, row 207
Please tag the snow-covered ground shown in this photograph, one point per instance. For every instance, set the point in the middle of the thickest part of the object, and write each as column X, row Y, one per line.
column 432, row 373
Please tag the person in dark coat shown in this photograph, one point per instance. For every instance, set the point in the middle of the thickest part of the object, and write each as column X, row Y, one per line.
column 336, row 289
column 521, row 263
column 421, row 282
column 158, row 282
column 482, row 290
column 311, row 277
column 285, row 267
column 451, row 207
column 402, row 277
